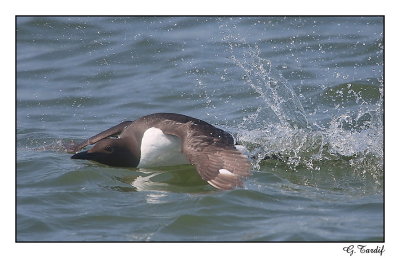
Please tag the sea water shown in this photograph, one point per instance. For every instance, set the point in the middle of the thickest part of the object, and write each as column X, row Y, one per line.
column 303, row 94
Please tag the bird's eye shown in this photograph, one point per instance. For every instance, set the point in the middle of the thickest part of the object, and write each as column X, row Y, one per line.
column 108, row 149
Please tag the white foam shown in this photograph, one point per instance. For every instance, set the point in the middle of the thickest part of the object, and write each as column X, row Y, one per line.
column 243, row 150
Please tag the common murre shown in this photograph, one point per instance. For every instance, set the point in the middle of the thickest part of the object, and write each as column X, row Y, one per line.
column 165, row 139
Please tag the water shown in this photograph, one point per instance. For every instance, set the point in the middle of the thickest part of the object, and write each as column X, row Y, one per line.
column 306, row 91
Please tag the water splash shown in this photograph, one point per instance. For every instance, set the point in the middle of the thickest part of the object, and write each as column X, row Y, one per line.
column 279, row 127
column 276, row 96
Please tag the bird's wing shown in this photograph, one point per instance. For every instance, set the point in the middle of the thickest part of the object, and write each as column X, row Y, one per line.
column 215, row 157
column 223, row 167
column 115, row 130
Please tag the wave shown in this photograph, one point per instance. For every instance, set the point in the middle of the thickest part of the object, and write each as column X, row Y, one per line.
column 345, row 129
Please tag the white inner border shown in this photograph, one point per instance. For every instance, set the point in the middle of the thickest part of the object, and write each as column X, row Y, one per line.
column 175, row 7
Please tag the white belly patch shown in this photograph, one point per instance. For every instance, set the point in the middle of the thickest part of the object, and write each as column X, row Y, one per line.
column 159, row 149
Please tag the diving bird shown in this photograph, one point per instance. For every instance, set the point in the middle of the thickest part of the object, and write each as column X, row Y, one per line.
column 167, row 139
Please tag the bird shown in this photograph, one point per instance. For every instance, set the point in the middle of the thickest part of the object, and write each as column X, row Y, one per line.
column 168, row 139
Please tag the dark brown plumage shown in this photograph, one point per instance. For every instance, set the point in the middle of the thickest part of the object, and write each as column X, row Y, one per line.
column 210, row 149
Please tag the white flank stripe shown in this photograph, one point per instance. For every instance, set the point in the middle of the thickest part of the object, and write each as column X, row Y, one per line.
column 211, row 183
column 225, row 172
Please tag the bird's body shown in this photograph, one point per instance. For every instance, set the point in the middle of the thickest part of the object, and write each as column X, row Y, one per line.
column 165, row 139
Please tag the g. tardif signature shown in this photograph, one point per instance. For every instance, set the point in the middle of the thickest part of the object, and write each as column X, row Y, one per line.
column 363, row 249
